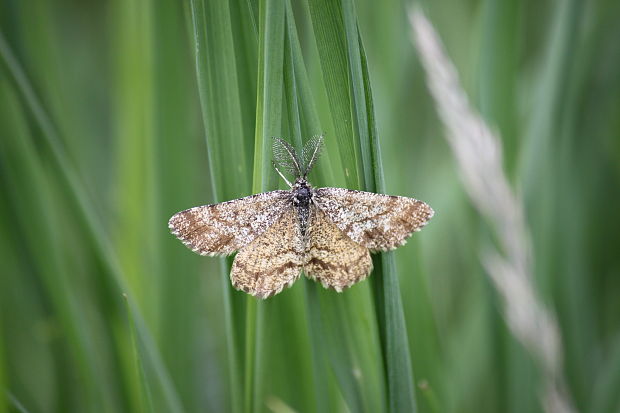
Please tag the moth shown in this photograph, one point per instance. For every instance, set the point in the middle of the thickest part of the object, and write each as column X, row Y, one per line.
column 328, row 233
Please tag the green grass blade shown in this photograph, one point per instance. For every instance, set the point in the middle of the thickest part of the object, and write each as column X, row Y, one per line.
column 137, row 236
column 19, row 407
column 605, row 398
column 303, row 121
column 145, row 389
column 341, row 321
column 228, row 148
column 269, row 98
column 291, row 83
column 3, row 399
column 330, row 37
column 389, row 307
column 270, row 90
column 361, row 117
column 87, row 213
column 218, row 85
column 20, row 168
column 362, row 131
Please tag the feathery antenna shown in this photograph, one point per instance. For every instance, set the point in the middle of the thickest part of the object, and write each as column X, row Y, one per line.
column 311, row 152
column 284, row 156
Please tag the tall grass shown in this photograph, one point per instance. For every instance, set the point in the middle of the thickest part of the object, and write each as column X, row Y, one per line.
column 114, row 115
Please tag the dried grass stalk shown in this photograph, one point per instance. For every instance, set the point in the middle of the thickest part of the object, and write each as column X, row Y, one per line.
column 478, row 152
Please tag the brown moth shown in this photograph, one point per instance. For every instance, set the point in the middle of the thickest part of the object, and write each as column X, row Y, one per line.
column 326, row 232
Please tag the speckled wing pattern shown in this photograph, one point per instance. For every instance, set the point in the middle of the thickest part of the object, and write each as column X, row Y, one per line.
column 221, row 229
column 273, row 260
column 331, row 257
column 378, row 222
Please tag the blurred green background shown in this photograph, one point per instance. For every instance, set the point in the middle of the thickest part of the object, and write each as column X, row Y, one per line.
column 116, row 114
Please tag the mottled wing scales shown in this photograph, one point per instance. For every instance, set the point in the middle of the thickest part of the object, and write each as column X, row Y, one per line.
column 272, row 261
column 378, row 222
column 224, row 228
column 332, row 258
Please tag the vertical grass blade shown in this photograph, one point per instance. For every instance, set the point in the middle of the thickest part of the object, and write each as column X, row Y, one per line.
column 269, row 100
column 329, row 319
column 329, row 33
column 350, row 96
column 388, row 302
column 270, row 91
column 86, row 212
column 229, row 151
column 3, row 385
column 606, row 398
column 133, row 127
column 303, row 121
column 146, row 398
column 20, row 167
column 340, row 315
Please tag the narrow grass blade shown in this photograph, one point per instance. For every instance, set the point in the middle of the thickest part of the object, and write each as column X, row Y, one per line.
column 146, row 398
column 329, row 33
column 87, row 213
column 357, row 111
column 19, row 407
column 3, row 384
column 388, row 302
column 291, row 83
column 137, row 235
column 337, row 323
column 270, row 90
column 606, row 398
column 218, row 86
column 229, row 149
column 19, row 166
column 303, row 122
column 269, row 119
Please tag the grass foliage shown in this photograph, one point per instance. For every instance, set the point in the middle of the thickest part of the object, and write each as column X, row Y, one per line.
column 114, row 115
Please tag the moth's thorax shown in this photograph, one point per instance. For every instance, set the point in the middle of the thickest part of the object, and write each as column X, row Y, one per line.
column 302, row 193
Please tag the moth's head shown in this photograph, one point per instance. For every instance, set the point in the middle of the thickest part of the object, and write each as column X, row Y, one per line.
column 302, row 192
column 286, row 157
